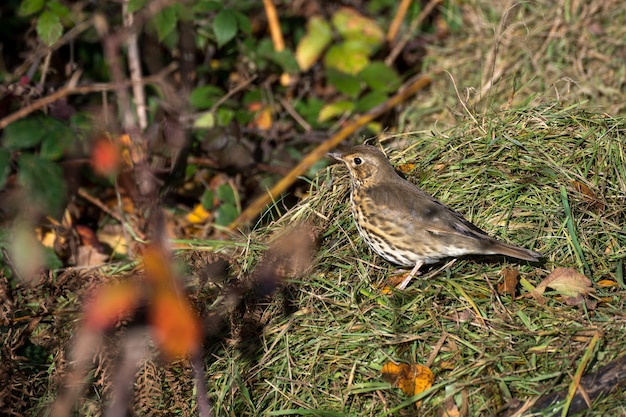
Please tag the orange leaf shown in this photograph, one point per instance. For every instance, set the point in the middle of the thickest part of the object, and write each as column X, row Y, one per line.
column 110, row 304
column 263, row 119
column 406, row 168
column 412, row 378
column 604, row 283
column 175, row 326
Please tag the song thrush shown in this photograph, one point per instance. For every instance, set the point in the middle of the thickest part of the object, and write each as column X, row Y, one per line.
column 407, row 226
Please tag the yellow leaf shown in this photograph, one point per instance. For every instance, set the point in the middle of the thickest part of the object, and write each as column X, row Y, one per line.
column 411, row 378
column 311, row 46
column 198, row 215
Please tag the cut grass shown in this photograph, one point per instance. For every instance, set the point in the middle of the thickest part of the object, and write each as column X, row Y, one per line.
column 514, row 179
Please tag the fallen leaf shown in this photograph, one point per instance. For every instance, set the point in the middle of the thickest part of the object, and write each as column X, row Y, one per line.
column 90, row 256
column 606, row 283
column 113, row 235
column 566, row 281
column 580, row 300
column 449, row 408
column 198, row 215
column 406, row 168
column 411, row 378
column 588, row 195
column 392, row 282
column 511, row 279
column 88, row 237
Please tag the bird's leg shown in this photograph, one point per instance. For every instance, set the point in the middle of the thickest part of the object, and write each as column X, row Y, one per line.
column 410, row 276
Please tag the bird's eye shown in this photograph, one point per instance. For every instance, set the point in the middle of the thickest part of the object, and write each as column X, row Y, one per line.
column 357, row 161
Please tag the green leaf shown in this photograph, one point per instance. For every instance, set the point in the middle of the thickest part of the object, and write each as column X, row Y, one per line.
column 207, row 199
column 243, row 23
column 332, row 110
column 312, row 45
column 58, row 138
column 309, row 109
column 206, row 6
column 286, row 59
column 165, row 21
column 204, row 97
column 226, row 194
column 28, row 7
column 378, row 76
column 349, row 57
column 49, row 27
column 5, row 166
column 24, row 133
column 134, row 5
column 224, row 116
column 225, row 214
column 43, row 180
column 205, row 121
column 225, row 26
column 50, row 259
column 370, row 100
column 353, row 26
column 344, row 83
column 58, row 9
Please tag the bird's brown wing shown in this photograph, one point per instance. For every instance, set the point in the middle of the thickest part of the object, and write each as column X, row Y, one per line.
column 417, row 209
column 417, row 212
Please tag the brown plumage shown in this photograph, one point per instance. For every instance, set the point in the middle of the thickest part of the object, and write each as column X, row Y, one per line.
column 407, row 226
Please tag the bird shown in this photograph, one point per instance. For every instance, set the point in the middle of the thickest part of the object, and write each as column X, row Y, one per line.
column 407, row 226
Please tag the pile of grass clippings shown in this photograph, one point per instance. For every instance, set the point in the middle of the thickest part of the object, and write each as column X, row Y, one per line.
column 548, row 178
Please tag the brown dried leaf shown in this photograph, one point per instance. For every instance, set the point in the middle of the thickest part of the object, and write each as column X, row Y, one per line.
column 588, row 195
column 449, row 408
column 511, row 278
column 90, row 256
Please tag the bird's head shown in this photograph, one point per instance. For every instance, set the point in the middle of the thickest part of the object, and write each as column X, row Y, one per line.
column 366, row 164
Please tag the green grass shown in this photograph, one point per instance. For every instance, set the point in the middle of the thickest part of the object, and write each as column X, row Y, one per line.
column 514, row 180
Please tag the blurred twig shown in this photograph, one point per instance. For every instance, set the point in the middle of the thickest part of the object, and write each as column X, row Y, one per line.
column 411, row 87
column 71, row 89
column 410, row 33
column 394, row 27
column 274, row 25
column 134, row 65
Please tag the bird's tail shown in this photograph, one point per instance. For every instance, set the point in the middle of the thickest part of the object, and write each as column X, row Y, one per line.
column 513, row 251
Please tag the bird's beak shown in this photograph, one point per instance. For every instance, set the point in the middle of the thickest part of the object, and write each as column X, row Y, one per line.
column 336, row 155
